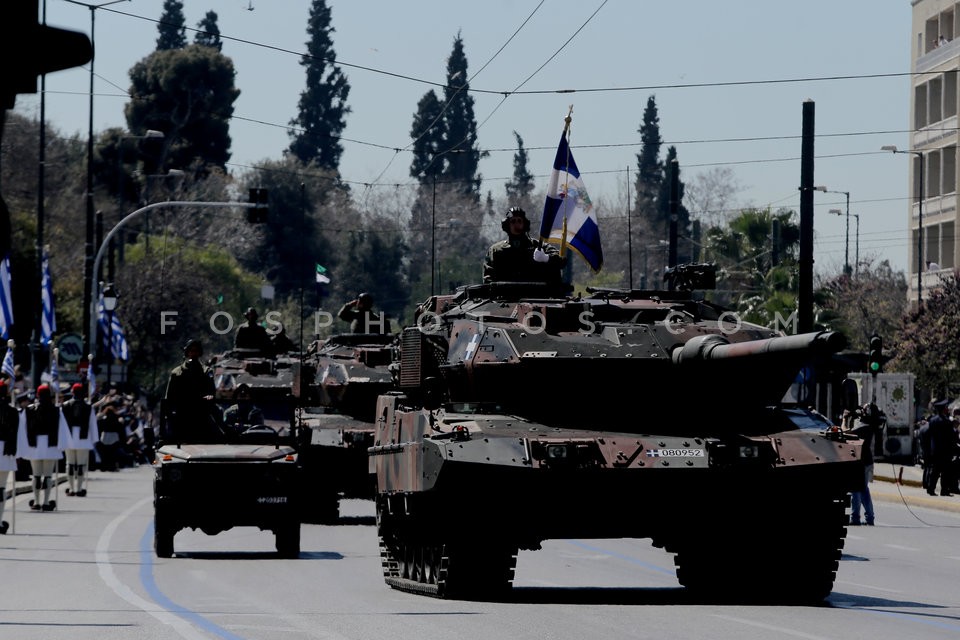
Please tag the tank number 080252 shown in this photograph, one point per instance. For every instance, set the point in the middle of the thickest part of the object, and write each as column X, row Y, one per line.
column 675, row 453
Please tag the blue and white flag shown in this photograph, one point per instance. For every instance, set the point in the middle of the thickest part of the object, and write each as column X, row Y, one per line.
column 568, row 216
column 6, row 302
column 48, row 323
column 8, row 363
column 114, row 339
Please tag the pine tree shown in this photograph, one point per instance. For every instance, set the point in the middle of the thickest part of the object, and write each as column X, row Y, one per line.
column 649, row 170
column 172, row 26
column 460, row 149
column 209, row 33
column 683, row 216
column 521, row 186
column 427, row 133
column 323, row 104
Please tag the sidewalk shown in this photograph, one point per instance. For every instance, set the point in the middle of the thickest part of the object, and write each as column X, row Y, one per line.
column 902, row 483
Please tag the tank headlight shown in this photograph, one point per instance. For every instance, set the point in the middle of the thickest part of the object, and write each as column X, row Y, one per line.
column 557, row 452
column 748, row 451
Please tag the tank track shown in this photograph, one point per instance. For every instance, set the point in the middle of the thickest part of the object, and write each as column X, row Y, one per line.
column 448, row 571
column 770, row 556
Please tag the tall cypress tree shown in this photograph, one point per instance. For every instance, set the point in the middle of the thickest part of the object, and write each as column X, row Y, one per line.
column 427, row 132
column 521, row 186
column 649, row 169
column 460, row 151
column 172, row 26
column 323, row 104
column 209, row 33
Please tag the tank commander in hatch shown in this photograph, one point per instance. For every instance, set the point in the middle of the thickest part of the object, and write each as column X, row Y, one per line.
column 250, row 334
column 361, row 316
column 519, row 258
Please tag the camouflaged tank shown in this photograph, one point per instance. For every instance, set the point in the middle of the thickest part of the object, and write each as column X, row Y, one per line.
column 224, row 469
column 526, row 414
column 349, row 372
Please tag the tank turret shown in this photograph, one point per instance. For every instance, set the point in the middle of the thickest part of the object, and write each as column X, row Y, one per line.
column 565, row 412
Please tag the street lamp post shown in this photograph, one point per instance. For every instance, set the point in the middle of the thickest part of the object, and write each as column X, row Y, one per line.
column 919, row 154
column 88, row 247
column 109, row 305
column 846, row 254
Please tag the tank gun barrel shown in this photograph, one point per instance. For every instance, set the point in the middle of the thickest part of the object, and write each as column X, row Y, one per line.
column 717, row 347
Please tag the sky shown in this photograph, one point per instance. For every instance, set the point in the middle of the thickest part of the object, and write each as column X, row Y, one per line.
column 729, row 78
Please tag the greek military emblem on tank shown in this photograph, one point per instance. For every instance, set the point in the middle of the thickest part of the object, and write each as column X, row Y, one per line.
column 524, row 413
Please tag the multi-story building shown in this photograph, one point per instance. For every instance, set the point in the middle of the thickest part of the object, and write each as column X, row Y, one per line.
column 935, row 60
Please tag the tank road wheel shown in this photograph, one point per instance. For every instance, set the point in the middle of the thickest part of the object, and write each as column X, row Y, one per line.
column 476, row 571
column 784, row 558
column 288, row 540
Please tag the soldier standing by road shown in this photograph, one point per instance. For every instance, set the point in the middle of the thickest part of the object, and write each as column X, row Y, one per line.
column 943, row 446
column 43, row 435
column 518, row 258
column 9, row 425
column 83, row 436
column 189, row 397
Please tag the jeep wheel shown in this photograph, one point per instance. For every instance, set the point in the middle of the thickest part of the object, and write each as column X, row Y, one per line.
column 288, row 540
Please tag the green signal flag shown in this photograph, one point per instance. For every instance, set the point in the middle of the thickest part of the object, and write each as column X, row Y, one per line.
column 219, row 298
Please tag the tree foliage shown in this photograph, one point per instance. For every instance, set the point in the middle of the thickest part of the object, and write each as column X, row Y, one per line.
column 520, row 187
column 172, row 27
column 647, row 188
column 428, row 134
column 460, row 150
column 188, row 94
column 208, row 33
column 927, row 342
column 322, row 108
column 872, row 301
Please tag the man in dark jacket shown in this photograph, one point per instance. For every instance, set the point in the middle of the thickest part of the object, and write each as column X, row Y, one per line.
column 519, row 258
column 188, row 402
column 943, row 447
column 866, row 427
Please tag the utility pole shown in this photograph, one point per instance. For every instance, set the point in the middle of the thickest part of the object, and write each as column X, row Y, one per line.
column 805, row 297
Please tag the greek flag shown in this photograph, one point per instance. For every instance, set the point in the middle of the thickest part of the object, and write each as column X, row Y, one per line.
column 568, row 216
column 8, row 363
column 114, row 340
column 48, row 323
column 6, row 302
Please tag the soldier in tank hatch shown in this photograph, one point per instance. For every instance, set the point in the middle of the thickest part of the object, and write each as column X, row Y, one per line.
column 83, row 435
column 43, row 435
column 361, row 316
column 518, row 258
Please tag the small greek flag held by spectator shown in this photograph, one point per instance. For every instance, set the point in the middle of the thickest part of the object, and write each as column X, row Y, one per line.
column 6, row 302
column 48, row 322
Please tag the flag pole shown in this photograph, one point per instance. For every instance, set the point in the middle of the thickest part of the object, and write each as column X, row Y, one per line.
column 566, row 182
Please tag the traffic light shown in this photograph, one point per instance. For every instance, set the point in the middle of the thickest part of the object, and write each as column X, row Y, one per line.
column 875, row 360
column 29, row 49
column 258, row 214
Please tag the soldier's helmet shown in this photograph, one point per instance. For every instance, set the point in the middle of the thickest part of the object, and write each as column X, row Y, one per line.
column 194, row 343
column 515, row 212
